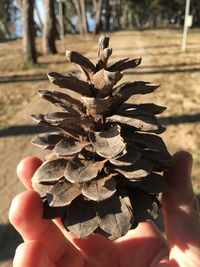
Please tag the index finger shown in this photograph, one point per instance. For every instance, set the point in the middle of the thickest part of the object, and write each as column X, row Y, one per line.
column 26, row 168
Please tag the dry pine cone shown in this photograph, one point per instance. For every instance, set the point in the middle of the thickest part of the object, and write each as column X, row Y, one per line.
column 105, row 171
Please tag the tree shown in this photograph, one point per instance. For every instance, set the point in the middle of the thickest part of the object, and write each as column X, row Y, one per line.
column 107, row 14
column 4, row 18
column 98, row 4
column 29, row 48
column 68, row 13
column 49, row 29
column 79, row 6
column 9, row 13
column 195, row 11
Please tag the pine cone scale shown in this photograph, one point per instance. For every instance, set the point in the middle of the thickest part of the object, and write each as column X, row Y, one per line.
column 62, row 194
column 50, row 172
column 79, row 171
column 109, row 143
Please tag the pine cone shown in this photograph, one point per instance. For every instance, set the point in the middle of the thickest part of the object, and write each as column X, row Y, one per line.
column 105, row 171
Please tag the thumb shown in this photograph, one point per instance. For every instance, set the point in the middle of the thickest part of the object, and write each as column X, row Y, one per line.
column 180, row 209
column 180, row 193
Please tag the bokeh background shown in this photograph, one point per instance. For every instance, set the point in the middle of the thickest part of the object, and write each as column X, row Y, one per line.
column 33, row 38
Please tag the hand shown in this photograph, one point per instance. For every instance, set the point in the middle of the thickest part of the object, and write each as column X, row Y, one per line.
column 47, row 244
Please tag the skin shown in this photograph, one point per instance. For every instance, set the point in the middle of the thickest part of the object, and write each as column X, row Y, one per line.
column 47, row 244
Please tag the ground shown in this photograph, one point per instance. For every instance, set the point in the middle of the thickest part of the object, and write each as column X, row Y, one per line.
column 163, row 63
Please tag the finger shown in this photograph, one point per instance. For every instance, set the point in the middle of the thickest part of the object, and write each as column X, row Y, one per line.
column 31, row 254
column 26, row 168
column 181, row 219
column 180, row 193
column 26, row 216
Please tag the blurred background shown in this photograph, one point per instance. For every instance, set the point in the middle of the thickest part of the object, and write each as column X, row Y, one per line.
column 34, row 35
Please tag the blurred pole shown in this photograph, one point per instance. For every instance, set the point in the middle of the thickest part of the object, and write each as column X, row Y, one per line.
column 61, row 22
column 185, row 30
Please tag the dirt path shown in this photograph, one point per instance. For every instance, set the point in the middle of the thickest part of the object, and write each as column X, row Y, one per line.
column 15, row 140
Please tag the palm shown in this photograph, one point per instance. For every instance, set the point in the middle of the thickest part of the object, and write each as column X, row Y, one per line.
column 47, row 244
column 125, row 252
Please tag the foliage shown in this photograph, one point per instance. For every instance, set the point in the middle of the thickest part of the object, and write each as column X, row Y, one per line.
column 7, row 16
column 116, row 14
column 161, row 12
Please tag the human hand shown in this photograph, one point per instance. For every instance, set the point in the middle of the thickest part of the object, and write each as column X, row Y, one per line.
column 47, row 244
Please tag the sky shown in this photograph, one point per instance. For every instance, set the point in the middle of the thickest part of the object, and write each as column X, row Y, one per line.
column 41, row 8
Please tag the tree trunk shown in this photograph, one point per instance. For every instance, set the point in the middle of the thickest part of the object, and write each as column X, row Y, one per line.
column 29, row 49
column 116, row 14
column 81, row 14
column 98, row 11
column 49, row 30
column 125, row 16
column 107, row 15
column 84, row 19
column 73, row 28
column 4, row 30
column 77, row 7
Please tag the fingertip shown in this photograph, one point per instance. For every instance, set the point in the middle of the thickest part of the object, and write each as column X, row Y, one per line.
column 180, row 191
column 183, row 153
column 180, row 160
column 31, row 254
column 26, row 209
column 183, row 156
column 26, row 168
